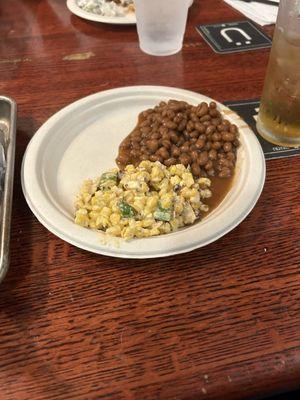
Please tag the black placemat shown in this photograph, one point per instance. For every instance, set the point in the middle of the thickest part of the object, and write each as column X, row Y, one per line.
column 232, row 37
column 248, row 109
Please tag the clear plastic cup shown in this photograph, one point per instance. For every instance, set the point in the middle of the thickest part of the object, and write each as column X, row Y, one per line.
column 161, row 25
column 279, row 112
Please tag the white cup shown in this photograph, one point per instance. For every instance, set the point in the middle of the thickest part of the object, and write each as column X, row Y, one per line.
column 161, row 25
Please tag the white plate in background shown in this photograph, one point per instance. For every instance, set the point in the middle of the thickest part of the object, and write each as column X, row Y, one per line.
column 81, row 141
column 129, row 18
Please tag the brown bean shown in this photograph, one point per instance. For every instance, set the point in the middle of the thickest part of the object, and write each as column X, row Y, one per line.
column 195, row 169
column 210, row 129
column 212, row 154
column 208, row 145
column 125, row 145
column 216, row 137
column 144, row 123
column 166, row 143
column 155, row 135
column 224, row 163
column 228, row 137
column 194, row 155
column 205, row 118
column 163, row 152
column 184, row 159
column 215, row 121
column 227, row 146
column 175, row 151
column 214, row 112
column 225, row 173
column 147, row 112
column 208, row 165
column 230, row 156
column 146, row 129
column 233, row 128
column 236, row 142
column 178, row 118
column 190, row 126
column 211, row 172
column 173, row 137
column 163, row 130
column 213, row 104
column 200, row 127
column 185, row 148
column 181, row 126
column 171, row 125
column 170, row 161
column 216, row 145
column 203, row 158
column 186, row 135
column 134, row 153
column 152, row 145
column 200, row 143
column 194, row 134
column 203, row 110
column 153, row 157
column 175, row 106
column 135, row 145
column 171, row 114
column 180, row 141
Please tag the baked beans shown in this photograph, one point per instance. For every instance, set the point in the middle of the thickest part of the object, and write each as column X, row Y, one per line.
column 176, row 132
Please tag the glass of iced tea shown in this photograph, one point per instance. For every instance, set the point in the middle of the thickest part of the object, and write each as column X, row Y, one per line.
column 279, row 113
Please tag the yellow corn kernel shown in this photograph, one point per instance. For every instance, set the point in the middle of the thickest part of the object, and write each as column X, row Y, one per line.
column 114, row 230
column 105, row 212
column 156, row 174
column 129, row 197
column 94, row 214
column 175, row 180
column 82, row 220
column 154, row 232
column 147, row 223
column 166, row 200
column 178, row 207
column 152, row 202
column 129, row 168
column 115, row 218
column 102, row 222
column 188, row 179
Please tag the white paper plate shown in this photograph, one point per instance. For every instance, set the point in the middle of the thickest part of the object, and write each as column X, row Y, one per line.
column 81, row 141
column 129, row 18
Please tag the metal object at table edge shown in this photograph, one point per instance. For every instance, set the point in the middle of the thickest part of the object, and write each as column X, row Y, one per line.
column 8, row 117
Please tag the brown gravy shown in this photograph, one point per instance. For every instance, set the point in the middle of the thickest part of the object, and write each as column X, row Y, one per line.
column 219, row 187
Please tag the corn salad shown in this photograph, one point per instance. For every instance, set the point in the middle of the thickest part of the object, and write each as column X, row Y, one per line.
column 147, row 200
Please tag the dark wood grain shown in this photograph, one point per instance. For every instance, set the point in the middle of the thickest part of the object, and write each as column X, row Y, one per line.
column 221, row 322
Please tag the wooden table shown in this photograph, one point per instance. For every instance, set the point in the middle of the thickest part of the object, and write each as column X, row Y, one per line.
column 221, row 322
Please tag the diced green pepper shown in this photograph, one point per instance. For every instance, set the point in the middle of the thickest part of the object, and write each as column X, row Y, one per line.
column 162, row 214
column 127, row 210
column 107, row 180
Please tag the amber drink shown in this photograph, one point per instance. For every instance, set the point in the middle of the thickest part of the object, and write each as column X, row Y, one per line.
column 279, row 113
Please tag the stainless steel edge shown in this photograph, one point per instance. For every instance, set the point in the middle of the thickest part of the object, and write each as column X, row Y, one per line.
column 10, row 109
